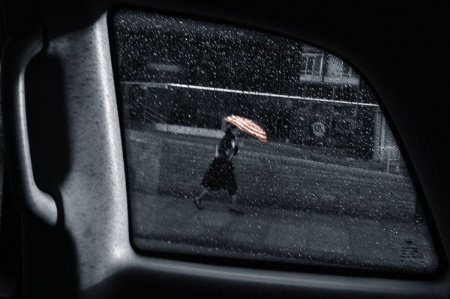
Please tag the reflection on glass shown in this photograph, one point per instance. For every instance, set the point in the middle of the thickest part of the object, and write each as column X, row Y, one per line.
column 327, row 184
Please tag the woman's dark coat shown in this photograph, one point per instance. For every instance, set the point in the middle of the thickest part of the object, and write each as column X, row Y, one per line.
column 220, row 174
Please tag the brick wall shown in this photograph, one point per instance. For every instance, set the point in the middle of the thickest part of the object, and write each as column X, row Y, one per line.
column 176, row 167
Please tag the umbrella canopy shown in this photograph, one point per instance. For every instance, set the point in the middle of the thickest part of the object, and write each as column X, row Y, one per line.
column 248, row 126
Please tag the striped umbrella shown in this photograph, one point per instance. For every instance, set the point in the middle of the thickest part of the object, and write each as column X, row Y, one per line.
column 248, row 126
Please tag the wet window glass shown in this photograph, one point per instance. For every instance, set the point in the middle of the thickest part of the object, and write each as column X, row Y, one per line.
column 250, row 147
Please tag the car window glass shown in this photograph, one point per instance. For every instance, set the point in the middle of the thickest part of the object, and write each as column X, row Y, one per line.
column 313, row 177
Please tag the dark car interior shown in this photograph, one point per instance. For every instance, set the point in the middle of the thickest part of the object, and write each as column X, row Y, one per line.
column 114, row 111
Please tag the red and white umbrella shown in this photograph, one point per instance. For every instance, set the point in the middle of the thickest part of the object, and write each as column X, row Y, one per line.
column 248, row 126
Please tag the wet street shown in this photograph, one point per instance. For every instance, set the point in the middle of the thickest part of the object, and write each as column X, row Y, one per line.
column 174, row 224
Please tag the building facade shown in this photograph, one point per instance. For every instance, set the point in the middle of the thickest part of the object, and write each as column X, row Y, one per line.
column 300, row 94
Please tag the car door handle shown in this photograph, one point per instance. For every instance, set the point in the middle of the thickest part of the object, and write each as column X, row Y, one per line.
column 20, row 49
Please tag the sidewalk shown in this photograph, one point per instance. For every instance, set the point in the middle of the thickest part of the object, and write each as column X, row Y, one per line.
column 174, row 224
column 270, row 174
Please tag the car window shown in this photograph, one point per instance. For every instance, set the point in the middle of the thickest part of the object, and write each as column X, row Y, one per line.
column 312, row 176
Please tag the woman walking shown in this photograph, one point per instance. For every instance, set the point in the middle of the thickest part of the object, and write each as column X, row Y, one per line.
column 220, row 174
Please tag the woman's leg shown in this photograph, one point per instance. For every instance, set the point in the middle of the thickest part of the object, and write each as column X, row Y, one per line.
column 197, row 199
column 234, row 208
column 232, row 191
column 204, row 192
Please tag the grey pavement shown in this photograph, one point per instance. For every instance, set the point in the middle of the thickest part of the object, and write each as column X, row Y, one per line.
column 174, row 224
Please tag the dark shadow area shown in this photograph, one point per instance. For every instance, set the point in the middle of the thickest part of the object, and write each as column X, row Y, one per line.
column 10, row 242
column 138, row 283
column 48, row 250
column 48, row 129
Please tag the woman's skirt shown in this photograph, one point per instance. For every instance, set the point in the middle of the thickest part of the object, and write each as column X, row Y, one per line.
column 220, row 176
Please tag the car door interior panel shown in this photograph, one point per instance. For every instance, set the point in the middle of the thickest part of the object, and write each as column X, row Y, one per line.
column 115, row 113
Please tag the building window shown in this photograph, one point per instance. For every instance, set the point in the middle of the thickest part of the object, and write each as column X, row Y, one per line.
column 311, row 64
column 347, row 71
